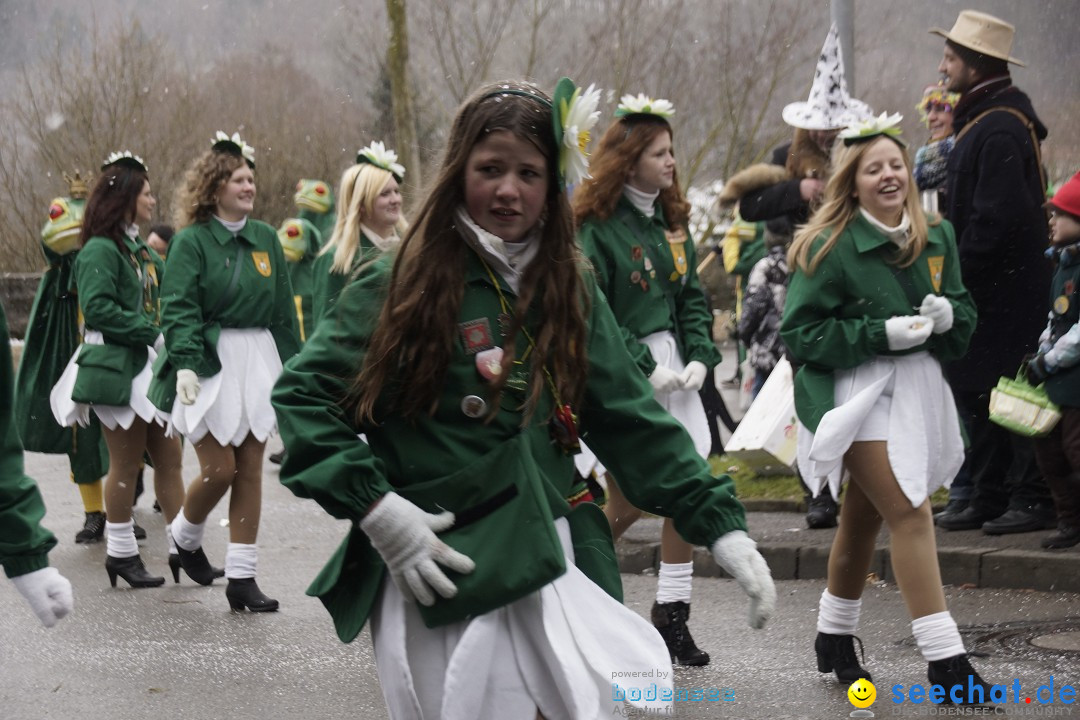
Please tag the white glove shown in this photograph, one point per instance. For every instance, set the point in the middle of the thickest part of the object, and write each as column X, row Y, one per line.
column 404, row 535
column 187, row 386
column 738, row 555
column 908, row 331
column 48, row 592
column 665, row 380
column 693, row 377
column 159, row 343
column 939, row 310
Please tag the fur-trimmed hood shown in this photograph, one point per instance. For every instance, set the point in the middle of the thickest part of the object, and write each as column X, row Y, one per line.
column 804, row 159
column 750, row 179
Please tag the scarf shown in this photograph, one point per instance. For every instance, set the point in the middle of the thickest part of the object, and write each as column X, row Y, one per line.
column 508, row 259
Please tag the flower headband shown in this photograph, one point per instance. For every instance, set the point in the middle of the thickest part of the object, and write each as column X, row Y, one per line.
column 644, row 105
column 378, row 155
column 125, row 159
column 936, row 95
column 575, row 114
column 883, row 124
column 233, row 145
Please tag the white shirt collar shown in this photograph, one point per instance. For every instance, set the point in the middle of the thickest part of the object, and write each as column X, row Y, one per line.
column 898, row 234
column 643, row 201
column 510, row 260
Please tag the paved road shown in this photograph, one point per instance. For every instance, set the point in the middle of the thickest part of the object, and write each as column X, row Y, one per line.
column 177, row 652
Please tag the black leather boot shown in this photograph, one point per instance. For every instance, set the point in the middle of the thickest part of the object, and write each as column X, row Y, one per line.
column 955, row 671
column 132, row 570
column 670, row 619
column 243, row 592
column 93, row 528
column 821, row 511
column 837, row 652
column 174, row 565
column 196, row 565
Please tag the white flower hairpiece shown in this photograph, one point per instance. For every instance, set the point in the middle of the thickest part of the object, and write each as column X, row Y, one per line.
column 577, row 116
column 883, row 124
column 644, row 105
column 246, row 151
column 378, row 155
column 125, row 158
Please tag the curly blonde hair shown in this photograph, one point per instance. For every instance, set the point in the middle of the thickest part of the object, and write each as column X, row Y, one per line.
column 196, row 199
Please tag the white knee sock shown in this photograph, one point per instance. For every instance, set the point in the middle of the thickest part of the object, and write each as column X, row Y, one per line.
column 169, row 539
column 120, row 539
column 937, row 636
column 675, row 582
column 837, row 615
column 188, row 535
column 241, row 561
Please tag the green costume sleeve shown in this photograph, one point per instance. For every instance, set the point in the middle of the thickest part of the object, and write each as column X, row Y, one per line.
column 326, row 462
column 815, row 328
column 284, row 324
column 181, row 305
column 326, row 286
column 98, row 271
column 603, row 267
column 695, row 322
column 645, row 447
column 953, row 344
column 24, row 543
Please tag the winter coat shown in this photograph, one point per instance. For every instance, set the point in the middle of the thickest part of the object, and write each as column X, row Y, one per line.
column 995, row 197
column 763, row 306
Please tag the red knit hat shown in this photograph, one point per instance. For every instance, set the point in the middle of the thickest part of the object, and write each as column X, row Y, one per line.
column 1067, row 198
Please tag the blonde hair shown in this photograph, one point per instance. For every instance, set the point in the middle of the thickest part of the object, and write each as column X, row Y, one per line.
column 839, row 207
column 196, row 199
column 360, row 187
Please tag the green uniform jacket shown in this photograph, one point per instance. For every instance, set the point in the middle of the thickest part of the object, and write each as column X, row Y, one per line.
column 326, row 461
column 119, row 301
column 301, row 276
column 835, row 318
column 1063, row 386
column 650, row 283
column 52, row 337
column 24, row 543
column 328, row 284
column 200, row 269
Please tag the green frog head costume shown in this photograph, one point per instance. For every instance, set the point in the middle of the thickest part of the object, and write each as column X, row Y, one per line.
column 315, row 202
column 60, row 234
column 301, row 240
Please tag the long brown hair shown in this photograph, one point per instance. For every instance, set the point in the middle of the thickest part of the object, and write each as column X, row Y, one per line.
column 417, row 325
column 839, row 207
column 611, row 164
column 111, row 205
column 196, row 199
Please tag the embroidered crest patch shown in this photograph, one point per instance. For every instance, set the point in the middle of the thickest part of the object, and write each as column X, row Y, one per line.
column 476, row 336
column 262, row 263
column 677, row 241
column 935, row 264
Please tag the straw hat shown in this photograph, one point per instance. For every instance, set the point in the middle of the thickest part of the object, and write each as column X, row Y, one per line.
column 829, row 106
column 982, row 33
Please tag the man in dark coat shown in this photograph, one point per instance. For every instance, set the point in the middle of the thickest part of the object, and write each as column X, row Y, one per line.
column 995, row 193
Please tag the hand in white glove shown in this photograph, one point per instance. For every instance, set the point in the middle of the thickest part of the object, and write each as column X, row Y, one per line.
column 187, row 386
column 665, row 380
column 48, row 592
column 908, row 331
column 693, row 377
column 404, row 535
column 738, row 555
column 939, row 310
column 159, row 343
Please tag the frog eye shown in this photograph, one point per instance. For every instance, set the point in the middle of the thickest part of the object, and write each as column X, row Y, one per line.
column 320, row 189
column 55, row 210
column 293, row 231
column 299, row 186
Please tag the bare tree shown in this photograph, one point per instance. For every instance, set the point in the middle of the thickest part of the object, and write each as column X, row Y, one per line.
column 397, row 61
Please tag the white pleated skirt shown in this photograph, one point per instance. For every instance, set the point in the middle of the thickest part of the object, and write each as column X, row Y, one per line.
column 903, row 400
column 236, row 401
column 684, row 406
column 558, row 650
column 68, row 412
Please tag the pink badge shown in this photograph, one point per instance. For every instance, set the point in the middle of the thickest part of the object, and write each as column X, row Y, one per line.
column 489, row 363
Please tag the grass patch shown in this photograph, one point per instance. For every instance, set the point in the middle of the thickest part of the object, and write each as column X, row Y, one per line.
column 750, row 486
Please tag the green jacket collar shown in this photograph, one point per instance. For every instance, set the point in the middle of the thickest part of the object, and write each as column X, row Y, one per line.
column 868, row 238
column 222, row 234
column 658, row 212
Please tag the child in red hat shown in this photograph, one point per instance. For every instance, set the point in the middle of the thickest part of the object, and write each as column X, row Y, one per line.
column 1057, row 364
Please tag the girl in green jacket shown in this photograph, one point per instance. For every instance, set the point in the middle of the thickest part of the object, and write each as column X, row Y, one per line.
column 230, row 323
column 875, row 306
column 118, row 280
column 463, row 358
column 633, row 228
column 369, row 222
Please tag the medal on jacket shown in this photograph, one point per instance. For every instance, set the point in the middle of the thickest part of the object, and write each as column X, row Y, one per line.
column 563, row 428
column 489, row 363
column 1061, row 304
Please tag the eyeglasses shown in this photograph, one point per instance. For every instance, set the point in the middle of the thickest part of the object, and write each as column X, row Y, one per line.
column 937, row 107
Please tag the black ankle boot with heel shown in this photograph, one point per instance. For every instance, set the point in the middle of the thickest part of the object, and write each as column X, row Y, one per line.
column 670, row 619
column 174, row 565
column 196, row 565
column 243, row 592
column 132, row 570
column 956, row 670
column 837, row 652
